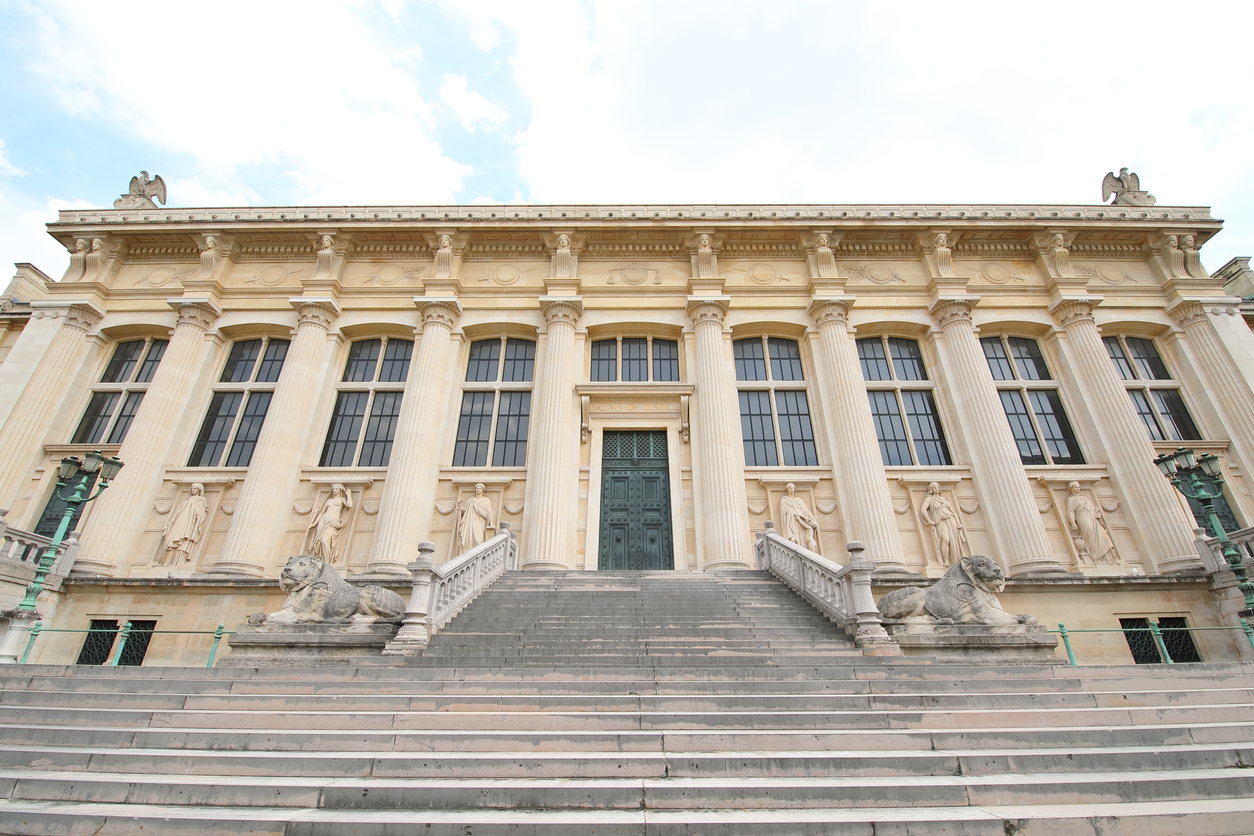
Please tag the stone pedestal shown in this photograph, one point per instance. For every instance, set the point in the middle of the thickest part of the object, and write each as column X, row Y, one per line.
column 1021, row 644
column 14, row 632
column 300, row 645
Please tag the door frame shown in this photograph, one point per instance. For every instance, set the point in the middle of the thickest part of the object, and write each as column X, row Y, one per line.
column 679, row 541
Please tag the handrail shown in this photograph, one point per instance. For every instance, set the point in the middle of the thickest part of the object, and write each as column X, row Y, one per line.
column 125, row 632
column 842, row 593
column 1155, row 629
column 440, row 592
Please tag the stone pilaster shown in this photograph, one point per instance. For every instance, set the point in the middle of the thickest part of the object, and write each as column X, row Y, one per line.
column 718, row 445
column 404, row 512
column 1162, row 531
column 866, row 505
column 264, row 506
column 553, row 457
column 1000, row 480
column 120, row 513
column 26, row 427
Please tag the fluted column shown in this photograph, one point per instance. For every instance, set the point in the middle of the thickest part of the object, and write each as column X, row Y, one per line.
column 120, row 512
column 26, row 427
column 553, row 457
column 866, row 505
column 405, row 510
column 264, row 506
column 1162, row 531
column 719, row 446
column 1000, row 480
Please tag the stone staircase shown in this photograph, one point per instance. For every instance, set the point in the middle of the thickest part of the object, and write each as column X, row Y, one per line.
column 630, row 703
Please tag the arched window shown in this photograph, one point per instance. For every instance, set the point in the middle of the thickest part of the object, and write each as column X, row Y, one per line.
column 124, row 382
column 498, row 384
column 774, row 409
column 373, row 384
column 902, row 387
column 240, row 400
column 1035, row 411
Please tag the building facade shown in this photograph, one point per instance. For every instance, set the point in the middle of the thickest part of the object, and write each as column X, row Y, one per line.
column 629, row 387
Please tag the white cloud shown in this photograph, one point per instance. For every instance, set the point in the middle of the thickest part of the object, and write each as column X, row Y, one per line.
column 23, row 236
column 7, row 169
column 469, row 106
column 310, row 94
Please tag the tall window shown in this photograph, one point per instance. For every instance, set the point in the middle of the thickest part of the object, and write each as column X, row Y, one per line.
column 642, row 358
column 116, row 398
column 897, row 385
column 1035, row 412
column 241, row 398
column 1155, row 394
column 372, row 385
column 498, row 385
column 774, row 409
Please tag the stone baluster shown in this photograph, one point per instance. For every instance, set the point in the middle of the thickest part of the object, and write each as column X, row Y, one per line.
column 26, row 427
column 264, row 507
column 1000, row 480
column 413, row 471
column 1162, row 530
column 553, row 460
column 719, row 447
column 866, row 504
column 121, row 512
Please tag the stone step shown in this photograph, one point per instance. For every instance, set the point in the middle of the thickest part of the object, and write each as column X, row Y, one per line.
column 1211, row 817
column 758, row 792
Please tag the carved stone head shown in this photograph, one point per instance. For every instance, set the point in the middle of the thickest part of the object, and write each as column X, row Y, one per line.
column 563, row 242
column 1073, row 488
column 1172, row 242
column 984, row 571
column 97, row 245
column 823, row 239
column 1187, row 241
column 80, row 246
column 337, row 489
column 934, row 489
column 327, row 241
column 942, row 240
column 197, row 489
column 446, row 242
column 704, row 241
column 791, row 488
column 479, row 489
column 1059, row 241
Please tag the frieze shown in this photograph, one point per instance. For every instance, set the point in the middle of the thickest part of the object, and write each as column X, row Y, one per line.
column 875, row 273
column 1109, row 273
column 273, row 275
column 390, row 274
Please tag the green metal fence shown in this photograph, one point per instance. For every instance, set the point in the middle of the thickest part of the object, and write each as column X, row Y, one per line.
column 122, row 635
column 1156, row 632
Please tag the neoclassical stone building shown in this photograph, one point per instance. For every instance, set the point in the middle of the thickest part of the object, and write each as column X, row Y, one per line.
column 635, row 387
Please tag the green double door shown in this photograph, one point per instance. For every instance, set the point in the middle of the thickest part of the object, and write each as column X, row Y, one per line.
column 635, row 502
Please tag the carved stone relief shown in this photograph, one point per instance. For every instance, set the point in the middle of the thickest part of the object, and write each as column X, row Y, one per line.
column 161, row 276
column 1109, row 273
column 390, row 274
column 184, row 529
column 634, row 275
column 875, row 273
column 273, row 275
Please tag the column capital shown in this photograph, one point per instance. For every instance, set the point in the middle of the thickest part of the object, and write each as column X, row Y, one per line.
column 1071, row 310
column 199, row 313
column 441, row 309
column 824, row 309
column 80, row 314
column 948, row 309
column 565, row 309
column 708, row 309
column 1187, row 312
column 315, row 310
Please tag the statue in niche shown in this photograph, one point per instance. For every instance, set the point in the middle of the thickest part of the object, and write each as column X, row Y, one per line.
column 947, row 532
column 184, row 528
column 328, row 523
column 1126, row 188
column 141, row 193
column 476, row 519
column 1090, row 525
column 800, row 525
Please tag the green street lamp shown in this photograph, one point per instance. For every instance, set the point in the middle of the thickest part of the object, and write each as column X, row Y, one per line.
column 1186, row 471
column 71, row 469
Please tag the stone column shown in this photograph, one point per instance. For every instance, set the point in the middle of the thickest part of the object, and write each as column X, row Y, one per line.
column 553, row 460
column 1000, row 480
column 1229, row 389
column 26, row 427
column 265, row 502
column 866, row 505
column 719, row 446
column 121, row 512
column 409, row 494
column 1162, row 531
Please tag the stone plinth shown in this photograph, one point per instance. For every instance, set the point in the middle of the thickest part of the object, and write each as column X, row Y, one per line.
column 289, row 645
column 1021, row 644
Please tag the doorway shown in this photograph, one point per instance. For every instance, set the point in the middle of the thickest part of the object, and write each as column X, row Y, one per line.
column 635, row 502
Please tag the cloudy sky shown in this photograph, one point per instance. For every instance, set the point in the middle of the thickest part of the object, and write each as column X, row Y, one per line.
column 737, row 101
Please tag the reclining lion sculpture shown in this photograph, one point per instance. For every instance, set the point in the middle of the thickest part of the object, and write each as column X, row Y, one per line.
column 965, row 594
column 317, row 593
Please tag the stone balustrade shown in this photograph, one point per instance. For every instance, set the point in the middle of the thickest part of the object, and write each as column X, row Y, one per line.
column 1242, row 540
column 20, row 552
column 842, row 593
column 441, row 592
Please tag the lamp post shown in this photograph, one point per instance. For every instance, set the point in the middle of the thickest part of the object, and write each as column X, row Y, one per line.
column 1186, row 470
column 79, row 473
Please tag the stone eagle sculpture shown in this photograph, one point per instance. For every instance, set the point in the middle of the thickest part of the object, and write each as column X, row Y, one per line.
column 142, row 192
column 1126, row 187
